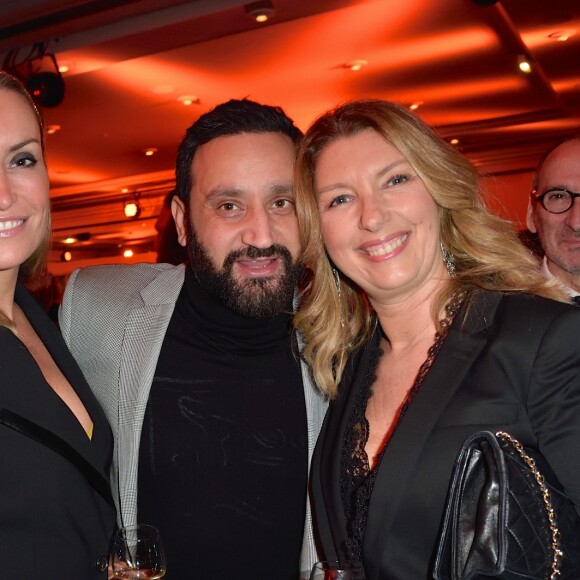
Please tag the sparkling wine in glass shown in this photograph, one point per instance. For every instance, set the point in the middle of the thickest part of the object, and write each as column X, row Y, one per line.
column 336, row 571
column 136, row 552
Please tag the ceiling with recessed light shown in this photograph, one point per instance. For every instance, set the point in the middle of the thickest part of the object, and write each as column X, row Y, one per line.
column 139, row 72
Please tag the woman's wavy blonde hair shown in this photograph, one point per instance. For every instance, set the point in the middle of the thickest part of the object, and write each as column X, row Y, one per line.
column 486, row 249
column 35, row 265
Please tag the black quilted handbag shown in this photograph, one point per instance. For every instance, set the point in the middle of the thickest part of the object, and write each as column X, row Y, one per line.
column 506, row 516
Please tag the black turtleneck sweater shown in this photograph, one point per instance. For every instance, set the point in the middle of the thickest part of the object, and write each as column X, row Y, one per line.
column 223, row 456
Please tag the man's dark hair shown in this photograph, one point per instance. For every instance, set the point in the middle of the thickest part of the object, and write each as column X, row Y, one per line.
column 230, row 118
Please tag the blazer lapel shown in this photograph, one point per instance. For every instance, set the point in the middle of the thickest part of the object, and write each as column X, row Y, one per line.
column 144, row 333
column 59, row 445
column 465, row 340
column 37, row 411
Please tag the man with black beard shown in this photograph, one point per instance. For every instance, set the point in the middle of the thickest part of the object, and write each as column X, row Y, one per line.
column 197, row 367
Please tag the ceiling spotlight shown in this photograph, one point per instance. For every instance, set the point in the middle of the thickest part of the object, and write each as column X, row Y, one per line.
column 524, row 64
column 52, row 129
column 415, row 106
column 454, row 141
column 356, row 64
column 150, row 151
column 46, row 88
column 131, row 207
column 562, row 35
column 69, row 240
column 128, row 254
column 66, row 256
column 188, row 100
column 39, row 72
column 260, row 11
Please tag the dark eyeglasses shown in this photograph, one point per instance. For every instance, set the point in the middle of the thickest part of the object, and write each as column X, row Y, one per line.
column 557, row 200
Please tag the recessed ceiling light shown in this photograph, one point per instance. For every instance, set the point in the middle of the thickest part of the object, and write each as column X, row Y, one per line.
column 562, row 35
column 188, row 100
column 150, row 151
column 131, row 208
column 69, row 240
column 52, row 129
column 454, row 141
column 524, row 64
column 415, row 105
column 356, row 64
column 128, row 253
column 260, row 11
column 66, row 256
column 63, row 68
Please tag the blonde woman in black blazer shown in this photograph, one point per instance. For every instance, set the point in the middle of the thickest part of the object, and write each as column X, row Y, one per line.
column 56, row 512
column 425, row 321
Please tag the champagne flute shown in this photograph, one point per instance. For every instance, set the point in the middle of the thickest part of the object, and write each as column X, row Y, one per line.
column 336, row 571
column 136, row 552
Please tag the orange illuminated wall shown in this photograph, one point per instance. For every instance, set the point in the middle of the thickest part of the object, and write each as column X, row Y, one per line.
column 507, row 195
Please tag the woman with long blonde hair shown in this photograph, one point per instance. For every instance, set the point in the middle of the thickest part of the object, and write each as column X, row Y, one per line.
column 425, row 321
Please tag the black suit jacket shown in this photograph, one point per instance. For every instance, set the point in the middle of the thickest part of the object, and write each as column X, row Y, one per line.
column 56, row 511
column 512, row 363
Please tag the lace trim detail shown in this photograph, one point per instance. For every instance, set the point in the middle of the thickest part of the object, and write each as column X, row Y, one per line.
column 357, row 480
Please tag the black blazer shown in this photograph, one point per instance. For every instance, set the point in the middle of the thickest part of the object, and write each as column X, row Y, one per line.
column 56, row 511
column 512, row 364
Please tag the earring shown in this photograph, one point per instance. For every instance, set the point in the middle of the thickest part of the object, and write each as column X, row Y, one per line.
column 449, row 260
column 339, row 292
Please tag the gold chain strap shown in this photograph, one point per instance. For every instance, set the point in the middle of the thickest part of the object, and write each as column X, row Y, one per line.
column 547, row 497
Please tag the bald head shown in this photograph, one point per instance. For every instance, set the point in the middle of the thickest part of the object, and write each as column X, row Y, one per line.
column 559, row 233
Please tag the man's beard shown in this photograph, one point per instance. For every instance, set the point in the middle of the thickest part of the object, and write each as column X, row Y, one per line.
column 252, row 297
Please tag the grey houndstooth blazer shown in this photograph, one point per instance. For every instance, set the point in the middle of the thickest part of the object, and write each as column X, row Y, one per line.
column 114, row 319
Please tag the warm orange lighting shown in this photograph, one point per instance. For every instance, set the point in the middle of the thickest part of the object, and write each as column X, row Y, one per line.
column 66, row 256
column 188, row 100
column 562, row 35
column 524, row 64
column 63, row 68
column 415, row 106
column 454, row 141
column 356, row 64
column 125, row 190
column 131, row 209
column 128, row 253
column 150, row 151
column 162, row 89
column 69, row 240
column 52, row 129
column 260, row 11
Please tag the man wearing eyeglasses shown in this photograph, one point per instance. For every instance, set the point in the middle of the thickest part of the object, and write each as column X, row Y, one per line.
column 554, row 213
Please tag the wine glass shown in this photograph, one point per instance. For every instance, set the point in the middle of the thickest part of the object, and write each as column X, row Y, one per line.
column 136, row 552
column 336, row 571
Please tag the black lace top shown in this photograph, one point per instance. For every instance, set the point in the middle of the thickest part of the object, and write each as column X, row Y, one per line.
column 357, row 479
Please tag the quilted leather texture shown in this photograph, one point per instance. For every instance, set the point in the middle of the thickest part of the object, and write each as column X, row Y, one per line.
column 496, row 524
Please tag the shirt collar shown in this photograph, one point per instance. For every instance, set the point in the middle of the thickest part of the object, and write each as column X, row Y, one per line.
column 550, row 276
